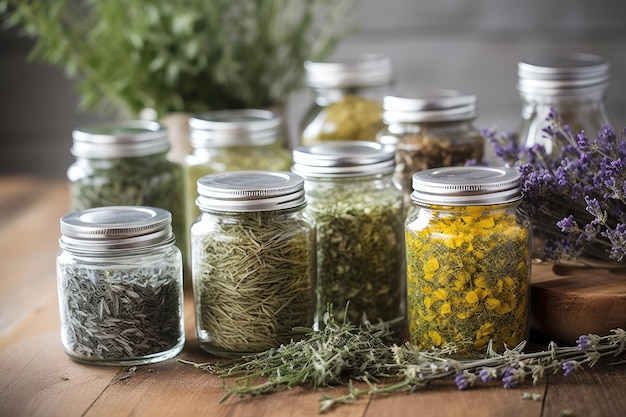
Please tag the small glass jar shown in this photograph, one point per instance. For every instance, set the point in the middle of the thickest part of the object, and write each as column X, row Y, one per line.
column 120, row 286
column 125, row 163
column 359, row 215
column 348, row 98
column 232, row 140
column 253, row 261
column 574, row 85
column 430, row 130
column 468, row 260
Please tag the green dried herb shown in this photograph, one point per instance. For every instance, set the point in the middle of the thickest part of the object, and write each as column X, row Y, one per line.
column 115, row 314
column 360, row 251
column 254, row 276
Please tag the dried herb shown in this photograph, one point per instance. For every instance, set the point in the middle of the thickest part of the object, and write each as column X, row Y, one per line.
column 467, row 278
column 116, row 314
column 254, row 276
column 359, row 249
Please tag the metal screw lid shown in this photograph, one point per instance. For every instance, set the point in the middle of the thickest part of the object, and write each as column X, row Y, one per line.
column 574, row 74
column 242, row 191
column 368, row 70
column 429, row 106
column 463, row 186
column 235, row 128
column 109, row 228
column 343, row 159
column 120, row 139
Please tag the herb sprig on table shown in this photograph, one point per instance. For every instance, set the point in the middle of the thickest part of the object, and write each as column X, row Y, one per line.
column 576, row 194
column 343, row 353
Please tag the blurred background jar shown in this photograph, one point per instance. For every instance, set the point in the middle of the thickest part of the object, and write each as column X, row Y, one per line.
column 348, row 98
column 574, row 85
column 124, row 163
column 232, row 140
column 430, row 130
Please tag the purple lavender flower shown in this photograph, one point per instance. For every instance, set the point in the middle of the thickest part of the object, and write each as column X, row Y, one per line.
column 485, row 375
column 509, row 378
column 568, row 225
column 461, row 381
column 569, row 367
column 583, row 342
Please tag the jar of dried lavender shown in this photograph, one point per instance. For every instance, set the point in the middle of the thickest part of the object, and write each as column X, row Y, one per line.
column 253, row 261
column 430, row 130
column 120, row 286
column 359, row 214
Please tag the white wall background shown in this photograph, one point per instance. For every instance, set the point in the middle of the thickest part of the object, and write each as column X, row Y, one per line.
column 469, row 45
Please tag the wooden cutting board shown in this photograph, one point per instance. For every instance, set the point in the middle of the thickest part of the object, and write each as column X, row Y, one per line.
column 567, row 302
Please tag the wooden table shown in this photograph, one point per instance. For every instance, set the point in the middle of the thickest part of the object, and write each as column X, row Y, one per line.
column 38, row 379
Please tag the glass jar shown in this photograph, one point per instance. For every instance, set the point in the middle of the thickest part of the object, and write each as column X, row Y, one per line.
column 253, row 261
column 125, row 163
column 348, row 98
column 468, row 260
column 120, row 286
column 574, row 85
column 430, row 130
column 232, row 140
column 358, row 211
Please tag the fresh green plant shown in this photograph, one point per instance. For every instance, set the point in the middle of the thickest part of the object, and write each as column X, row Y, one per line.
column 185, row 55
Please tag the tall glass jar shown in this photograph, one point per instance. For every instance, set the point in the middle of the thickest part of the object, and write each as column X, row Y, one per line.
column 120, row 286
column 359, row 215
column 468, row 260
column 125, row 163
column 574, row 85
column 430, row 130
column 232, row 140
column 348, row 98
column 253, row 261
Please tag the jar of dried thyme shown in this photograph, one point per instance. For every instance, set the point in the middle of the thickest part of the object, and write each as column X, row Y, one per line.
column 253, row 261
column 120, row 286
column 430, row 130
column 125, row 163
column 348, row 98
column 468, row 260
column 232, row 140
column 358, row 210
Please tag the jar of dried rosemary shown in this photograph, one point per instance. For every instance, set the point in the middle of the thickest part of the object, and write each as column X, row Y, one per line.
column 572, row 85
column 253, row 261
column 348, row 98
column 358, row 210
column 120, row 286
column 430, row 130
column 125, row 163
column 232, row 140
column 468, row 260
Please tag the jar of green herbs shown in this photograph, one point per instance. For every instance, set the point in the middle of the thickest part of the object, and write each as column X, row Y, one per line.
column 358, row 210
column 120, row 286
column 125, row 163
column 348, row 98
column 253, row 261
column 430, row 130
column 468, row 260
column 232, row 140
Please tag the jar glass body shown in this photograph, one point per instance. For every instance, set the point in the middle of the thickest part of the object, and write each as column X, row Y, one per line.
column 253, row 279
column 424, row 145
column 580, row 112
column 360, row 252
column 121, row 309
column 353, row 113
column 148, row 180
column 468, row 276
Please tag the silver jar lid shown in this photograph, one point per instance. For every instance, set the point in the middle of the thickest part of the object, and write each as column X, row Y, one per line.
column 120, row 139
column 238, row 127
column 111, row 228
column 574, row 74
column 242, row 191
column 466, row 186
column 343, row 159
column 429, row 106
column 368, row 70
